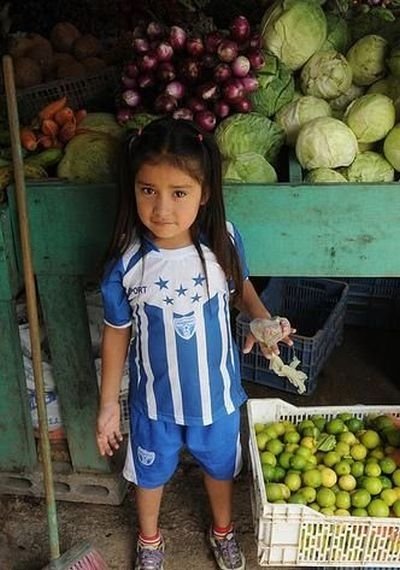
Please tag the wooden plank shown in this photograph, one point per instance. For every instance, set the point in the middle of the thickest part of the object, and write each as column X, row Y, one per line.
column 10, row 276
column 326, row 230
column 67, row 326
column 17, row 444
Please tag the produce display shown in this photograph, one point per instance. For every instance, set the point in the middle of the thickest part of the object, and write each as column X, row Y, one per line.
column 343, row 466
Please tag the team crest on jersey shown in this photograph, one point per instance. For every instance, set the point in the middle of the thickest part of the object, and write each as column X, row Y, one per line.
column 145, row 457
column 185, row 325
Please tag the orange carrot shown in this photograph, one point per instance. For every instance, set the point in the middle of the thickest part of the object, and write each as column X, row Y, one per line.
column 52, row 108
column 66, row 115
column 68, row 131
column 28, row 139
column 80, row 115
column 45, row 141
column 50, row 128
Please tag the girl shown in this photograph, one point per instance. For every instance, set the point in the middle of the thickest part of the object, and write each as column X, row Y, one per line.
column 176, row 266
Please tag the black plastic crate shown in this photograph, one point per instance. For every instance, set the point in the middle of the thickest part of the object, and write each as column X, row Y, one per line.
column 373, row 302
column 316, row 308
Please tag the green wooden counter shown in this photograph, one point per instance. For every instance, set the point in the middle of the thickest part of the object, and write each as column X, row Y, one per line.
column 288, row 230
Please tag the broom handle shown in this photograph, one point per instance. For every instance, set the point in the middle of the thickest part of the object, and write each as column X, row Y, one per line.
column 31, row 301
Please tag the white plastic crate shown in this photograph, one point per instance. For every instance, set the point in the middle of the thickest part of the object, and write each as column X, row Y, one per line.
column 296, row 535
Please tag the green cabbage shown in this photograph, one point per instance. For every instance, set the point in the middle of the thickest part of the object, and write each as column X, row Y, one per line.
column 370, row 166
column 391, row 147
column 326, row 74
column 367, row 59
column 340, row 103
column 324, row 176
column 276, row 86
column 103, row 123
column 370, row 117
column 249, row 167
column 249, row 132
column 338, row 34
column 295, row 114
column 325, row 142
column 293, row 30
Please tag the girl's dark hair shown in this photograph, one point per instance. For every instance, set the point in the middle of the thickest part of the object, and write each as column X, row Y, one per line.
column 184, row 145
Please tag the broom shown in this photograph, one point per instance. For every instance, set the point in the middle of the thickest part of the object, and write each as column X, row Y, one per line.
column 82, row 557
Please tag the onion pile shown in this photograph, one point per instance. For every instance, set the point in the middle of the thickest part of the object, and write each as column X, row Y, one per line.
column 204, row 78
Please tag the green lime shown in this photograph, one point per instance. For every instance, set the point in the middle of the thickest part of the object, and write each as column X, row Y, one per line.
column 312, row 478
column 388, row 465
column 327, row 511
column 328, row 477
column 372, row 470
column 308, row 442
column 360, row 498
column 392, row 436
column 347, row 437
column 309, row 493
column 396, row 477
column 370, row 439
column 378, row 508
column 315, row 506
column 347, row 482
column 377, row 453
column 310, row 432
column 383, row 422
column 258, row 427
column 342, row 513
column 359, row 512
column 293, row 481
column 268, row 458
column 279, row 428
column 305, row 424
column 343, row 500
column 396, row 508
column 291, row 447
column 297, row 499
column 297, row 462
column 304, row 452
column 358, row 451
column 262, row 439
column 331, row 458
column 342, row 448
column 289, row 426
column 275, row 446
column 389, row 496
column 325, row 497
column 372, row 484
column 342, row 468
column 335, row 426
column 386, row 482
column 319, row 422
column 279, row 473
column 274, row 492
column 355, row 425
column 345, row 416
column 268, row 472
column 284, row 459
column 357, row 469
column 285, row 490
column 291, row 437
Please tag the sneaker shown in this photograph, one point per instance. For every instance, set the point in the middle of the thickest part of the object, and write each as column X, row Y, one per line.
column 150, row 557
column 227, row 552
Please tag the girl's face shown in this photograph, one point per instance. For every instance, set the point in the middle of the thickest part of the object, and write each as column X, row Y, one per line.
column 168, row 201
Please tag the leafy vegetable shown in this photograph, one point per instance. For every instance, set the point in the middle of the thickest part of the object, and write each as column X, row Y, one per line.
column 295, row 114
column 276, row 86
column 249, row 167
column 324, row 175
column 370, row 117
column 367, row 59
column 326, row 74
column 369, row 166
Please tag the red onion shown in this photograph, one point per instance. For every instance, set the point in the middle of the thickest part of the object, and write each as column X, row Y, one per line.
column 131, row 69
column 208, row 91
column 177, row 38
column 222, row 73
column 164, row 51
column 195, row 104
column 176, row 89
column 128, row 82
column 227, row 51
column 166, row 71
column 240, row 29
column 233, row 90
column 249, row 83
column 145, row 80
column 148, row 62
column 222, row 109
column 183, row 113
column 165, row 104
column 138, row 31
column 140, row 45
column 243, row 106
column 206, row 120
column 209, row 61
column 255, row 41
column 124, row 115
column 154, row 30
column 191, row 70
column 256, row 59
column 131, row 97
column 241, row 66
column 195, row 46
column 212, row 41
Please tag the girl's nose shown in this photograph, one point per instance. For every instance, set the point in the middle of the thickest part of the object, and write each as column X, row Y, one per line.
column 162, row 205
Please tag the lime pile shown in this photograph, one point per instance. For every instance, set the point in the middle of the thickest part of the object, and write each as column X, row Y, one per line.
column 341, row 466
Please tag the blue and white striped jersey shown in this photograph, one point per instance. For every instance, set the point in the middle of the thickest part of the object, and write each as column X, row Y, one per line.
column 184, row 366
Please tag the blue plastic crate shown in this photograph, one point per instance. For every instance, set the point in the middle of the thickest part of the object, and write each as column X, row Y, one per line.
column 316, row 308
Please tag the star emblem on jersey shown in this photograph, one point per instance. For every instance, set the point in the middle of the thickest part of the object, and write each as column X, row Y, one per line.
column 196, row 298
column 168, row 300
column 181, row 291
column 162, row 283
column 199, row 280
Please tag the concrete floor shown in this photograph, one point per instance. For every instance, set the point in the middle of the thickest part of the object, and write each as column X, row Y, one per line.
column 363, row 370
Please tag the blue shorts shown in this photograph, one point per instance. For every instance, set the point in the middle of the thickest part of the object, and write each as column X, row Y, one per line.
column 154, row 447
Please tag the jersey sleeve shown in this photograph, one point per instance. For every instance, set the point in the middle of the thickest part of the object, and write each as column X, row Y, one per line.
column 117, row 310
column 237, row 240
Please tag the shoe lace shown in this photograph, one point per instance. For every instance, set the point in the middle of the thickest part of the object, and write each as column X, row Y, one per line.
column 230, row 549
column 150, row 558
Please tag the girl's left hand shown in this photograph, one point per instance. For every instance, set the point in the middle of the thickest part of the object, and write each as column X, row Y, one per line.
column 274, row 349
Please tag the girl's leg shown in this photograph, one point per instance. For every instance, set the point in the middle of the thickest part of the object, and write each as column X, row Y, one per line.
column 220, row 496
column 148, row 502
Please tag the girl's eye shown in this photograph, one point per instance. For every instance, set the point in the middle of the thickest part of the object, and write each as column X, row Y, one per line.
column 147, row 190
column 180, row 193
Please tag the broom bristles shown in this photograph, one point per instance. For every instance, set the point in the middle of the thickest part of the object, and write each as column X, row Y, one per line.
column 81, row 557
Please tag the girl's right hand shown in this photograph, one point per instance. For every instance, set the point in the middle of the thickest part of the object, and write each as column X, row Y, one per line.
column 108, row 434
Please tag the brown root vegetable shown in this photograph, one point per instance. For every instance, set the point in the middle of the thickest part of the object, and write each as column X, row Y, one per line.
column 50, row 128
column 28, row 139
column 19, row 46
column 45, row 141
column 80, row 115
column 93, row 64
column 66, row 115
column 63, row 35
column 61, row 58
column 27, row 72
column 73, row 69
column 52, row 108
column 86, row 46
column 67, row 131
column 43, row 55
